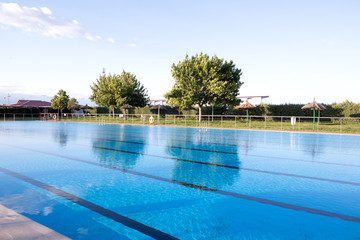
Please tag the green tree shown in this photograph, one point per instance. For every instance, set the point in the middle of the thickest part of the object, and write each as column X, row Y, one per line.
column 202, row 80
column 346, row 109
column 60, row 101
column 73, row 103
column 116, row 90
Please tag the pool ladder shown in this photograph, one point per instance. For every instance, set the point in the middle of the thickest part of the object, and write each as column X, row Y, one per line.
column 101, row 121
column 203, row 126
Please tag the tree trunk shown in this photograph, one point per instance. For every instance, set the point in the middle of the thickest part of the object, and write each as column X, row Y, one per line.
column 200, row 112
column 113, row 110
column 212, row 113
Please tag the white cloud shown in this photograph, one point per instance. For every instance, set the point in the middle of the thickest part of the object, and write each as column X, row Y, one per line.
column 46, row 11
column 111, row 40
column 131, row 44
column 40, row 20
column 98, row 37
column 89, row 37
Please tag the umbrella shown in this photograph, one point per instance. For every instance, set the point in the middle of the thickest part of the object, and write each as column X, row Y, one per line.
column 314, row 106
column 75, row 108
column 86, row 107
column 127, row 106
column 158, row 107
column 246, row 106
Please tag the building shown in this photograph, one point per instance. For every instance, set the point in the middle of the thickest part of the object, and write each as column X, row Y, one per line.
column 31, row 104
column 42, row 106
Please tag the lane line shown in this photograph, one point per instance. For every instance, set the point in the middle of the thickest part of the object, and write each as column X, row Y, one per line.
column 226, row 193
column 152, row 232
column 234, row 167
column 193, row 149
column 205, row 163
column 232, row 139
column 251, row 155
column 240, row 137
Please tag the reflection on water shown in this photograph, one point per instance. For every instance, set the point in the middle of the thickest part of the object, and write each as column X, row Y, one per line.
column 60, row 134
column 201, row 174
column 310, row 144
column 34, row 203
column 57, row 214
column 246, row 144
column 116, row 158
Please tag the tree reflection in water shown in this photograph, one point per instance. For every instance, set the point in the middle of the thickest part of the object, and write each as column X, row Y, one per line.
column 311, row 144
column 201, row 174
column 61, row 134
column 116, row 158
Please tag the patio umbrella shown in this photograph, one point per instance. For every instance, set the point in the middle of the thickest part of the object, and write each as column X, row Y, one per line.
column 127, row 106
column 246, row 106
column 158, row 107
column 86, row 107
column 75, row 108
column 314, row 106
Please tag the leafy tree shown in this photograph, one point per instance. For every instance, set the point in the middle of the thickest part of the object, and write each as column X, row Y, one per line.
column 60, row 100
column 73, row 103
column 203, row 80
column 116, row 90
column 346, row 109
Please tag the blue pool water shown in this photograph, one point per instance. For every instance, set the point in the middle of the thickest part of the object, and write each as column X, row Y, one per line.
column 90, row 181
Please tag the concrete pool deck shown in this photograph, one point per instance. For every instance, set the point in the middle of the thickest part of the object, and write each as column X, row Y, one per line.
column 14, row 226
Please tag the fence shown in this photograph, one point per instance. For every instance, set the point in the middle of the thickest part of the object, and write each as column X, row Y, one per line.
column 288, row 123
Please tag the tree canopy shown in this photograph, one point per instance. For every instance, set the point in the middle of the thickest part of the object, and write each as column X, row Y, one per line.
column 60, row 100
column 73, row 103
column 201, row 80
column 116, row 90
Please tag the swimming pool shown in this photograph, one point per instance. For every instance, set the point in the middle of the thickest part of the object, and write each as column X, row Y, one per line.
column 91, row 181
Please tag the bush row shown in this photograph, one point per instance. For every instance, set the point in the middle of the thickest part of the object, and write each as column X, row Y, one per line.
column 344, row 109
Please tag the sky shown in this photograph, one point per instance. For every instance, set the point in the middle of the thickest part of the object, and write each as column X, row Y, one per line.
column 289, row 50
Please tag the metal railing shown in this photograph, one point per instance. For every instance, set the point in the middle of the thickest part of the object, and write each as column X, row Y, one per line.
column 288, row 123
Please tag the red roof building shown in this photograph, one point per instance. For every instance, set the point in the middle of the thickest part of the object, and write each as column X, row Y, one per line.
column 31, row 104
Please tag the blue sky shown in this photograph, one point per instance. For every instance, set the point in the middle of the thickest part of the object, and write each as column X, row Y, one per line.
column 292, row 51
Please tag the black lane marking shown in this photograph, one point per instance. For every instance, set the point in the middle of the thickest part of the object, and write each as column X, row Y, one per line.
column 234, row 167
column 193, row 149
column 226, row 193
column 229, row 139
column 240, row 145
column 237, row 139
column 213, row 164
column 232, row 139
column 251, row 155
column 225, row 144
column 152, row 232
